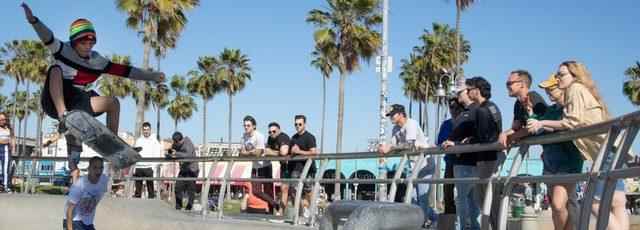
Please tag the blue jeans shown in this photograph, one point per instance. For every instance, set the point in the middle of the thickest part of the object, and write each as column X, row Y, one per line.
column 421, row 196
column 466, row 209
column 601, row 183
column 5, row 166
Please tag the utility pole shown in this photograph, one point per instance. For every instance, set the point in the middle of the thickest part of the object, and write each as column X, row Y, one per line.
column 383, row 66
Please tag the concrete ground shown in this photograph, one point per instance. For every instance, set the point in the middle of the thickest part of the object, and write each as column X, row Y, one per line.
column 37, row 212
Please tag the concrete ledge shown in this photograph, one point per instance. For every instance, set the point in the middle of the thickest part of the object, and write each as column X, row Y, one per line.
column 368, row 215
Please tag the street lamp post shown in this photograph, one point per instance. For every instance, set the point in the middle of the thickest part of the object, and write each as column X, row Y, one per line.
column 383, row 67
column 441, row 95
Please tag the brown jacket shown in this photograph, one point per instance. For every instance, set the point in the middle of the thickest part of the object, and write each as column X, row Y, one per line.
column 582, row 109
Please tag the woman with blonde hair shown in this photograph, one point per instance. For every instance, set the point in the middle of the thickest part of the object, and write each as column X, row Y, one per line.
column 583, row 106
column 7, row 143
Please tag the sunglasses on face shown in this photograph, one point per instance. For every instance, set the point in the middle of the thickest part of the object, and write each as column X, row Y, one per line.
column 272, row 132
column 509, row 83
column 247, row 125
column 299, row 124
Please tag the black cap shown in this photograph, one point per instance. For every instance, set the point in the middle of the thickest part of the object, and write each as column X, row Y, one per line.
column 395, row 108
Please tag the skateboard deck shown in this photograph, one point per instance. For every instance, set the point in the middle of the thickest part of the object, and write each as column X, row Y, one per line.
column 98, row 137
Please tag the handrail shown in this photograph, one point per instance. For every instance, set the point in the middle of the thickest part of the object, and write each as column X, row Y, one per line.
column 625, row 126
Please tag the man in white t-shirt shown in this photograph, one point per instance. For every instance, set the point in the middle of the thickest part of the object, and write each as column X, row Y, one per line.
column 253, row 145
column 150, row 148
column 83, row 198
column 407, row 135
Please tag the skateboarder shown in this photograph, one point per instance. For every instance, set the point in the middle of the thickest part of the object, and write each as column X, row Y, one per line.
column 77, row 65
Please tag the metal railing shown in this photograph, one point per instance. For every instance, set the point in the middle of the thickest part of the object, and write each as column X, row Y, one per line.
column 623, row 128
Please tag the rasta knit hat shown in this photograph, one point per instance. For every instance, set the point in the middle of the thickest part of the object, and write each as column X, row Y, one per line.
column 81, row 28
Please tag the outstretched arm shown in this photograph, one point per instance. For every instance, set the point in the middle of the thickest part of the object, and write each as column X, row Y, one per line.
column 44, row 33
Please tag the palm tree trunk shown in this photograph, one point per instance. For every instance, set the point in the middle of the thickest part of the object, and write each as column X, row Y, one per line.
column 410, row 108
column 158, row 106
column 204, row 122
column 204, row 134
column 19, row 147
column 339, row 133
column 229, row 124
column 426, row 111
column 26, row 118
column 143, row 89
column 420, row 114
column 39, row 134
column 24, row 134
column 175, row 125
column 458, row 42
column 15, row 106
column 158, row 122
column 324, row 112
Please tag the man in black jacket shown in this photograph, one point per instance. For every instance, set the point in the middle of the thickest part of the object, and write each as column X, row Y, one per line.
column 486, row 129
column 182, row 147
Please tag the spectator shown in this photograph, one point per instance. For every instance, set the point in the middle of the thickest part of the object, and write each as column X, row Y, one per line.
column 84, row 196
column 583, row 107
column 278, row 145
column 488, row 124
column 559, row 158
column 253, row 145
column 252, row 203
column 445, row 130
column 150, row 148
column 182, row 147
column 465, row 164
column 407, row 134
column 7, row 146
column 529, row 104
column 302, row 143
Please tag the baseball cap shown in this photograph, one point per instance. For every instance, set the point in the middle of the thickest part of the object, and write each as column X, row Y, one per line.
column 552, row 81
column 395, row 108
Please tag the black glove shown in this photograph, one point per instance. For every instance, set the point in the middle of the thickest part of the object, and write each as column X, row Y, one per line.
column 61, row 127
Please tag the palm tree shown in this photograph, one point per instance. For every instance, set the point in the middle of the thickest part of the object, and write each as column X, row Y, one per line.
column 461, row 5
column 631, row 87
column 27, row 61
column 234, row 72
column 347, row 27
column 160, row 23
column 322, row 62
column 33, row 105
column 182, row 106
column 160, row 100
column 4, row 103
column 206, row 84
column 22, row 62
column 19, row 112
column 421, row 72
column 36, row 108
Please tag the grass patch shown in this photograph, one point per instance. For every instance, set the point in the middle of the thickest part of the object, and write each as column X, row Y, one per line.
column 231, row 207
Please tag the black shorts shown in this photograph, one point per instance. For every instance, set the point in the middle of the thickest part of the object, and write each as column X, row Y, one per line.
column 74, row 98
column 294, row 169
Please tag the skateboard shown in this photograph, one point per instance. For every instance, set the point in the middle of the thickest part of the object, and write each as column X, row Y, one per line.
column 98, row 137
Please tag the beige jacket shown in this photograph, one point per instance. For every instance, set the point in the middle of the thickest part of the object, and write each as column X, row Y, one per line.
column 582, row 109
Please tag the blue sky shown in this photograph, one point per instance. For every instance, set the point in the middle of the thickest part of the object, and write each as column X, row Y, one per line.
column 504, row 35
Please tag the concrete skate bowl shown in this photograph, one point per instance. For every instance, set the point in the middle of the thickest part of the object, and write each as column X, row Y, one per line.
column 37, row 212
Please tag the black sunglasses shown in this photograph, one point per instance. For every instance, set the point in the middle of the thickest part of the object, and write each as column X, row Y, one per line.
column 299, row 124
column 272, row 131
column 509, row 83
